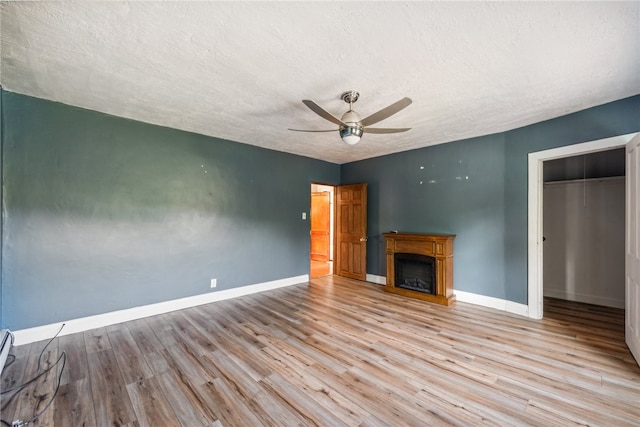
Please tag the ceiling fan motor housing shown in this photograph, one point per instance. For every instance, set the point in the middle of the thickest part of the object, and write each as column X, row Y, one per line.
column 351, row 117
column 352, row 133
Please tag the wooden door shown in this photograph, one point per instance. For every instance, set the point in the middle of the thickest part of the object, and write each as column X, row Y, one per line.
column 632, row 249
column 320, row 225
column 351, row 231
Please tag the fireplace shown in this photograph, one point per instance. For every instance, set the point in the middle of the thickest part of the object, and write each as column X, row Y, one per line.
column 420, row 266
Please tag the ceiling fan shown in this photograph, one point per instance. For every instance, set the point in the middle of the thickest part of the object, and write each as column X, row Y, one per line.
column 350, row 126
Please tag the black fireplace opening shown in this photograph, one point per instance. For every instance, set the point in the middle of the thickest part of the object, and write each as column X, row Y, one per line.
column 415, row 272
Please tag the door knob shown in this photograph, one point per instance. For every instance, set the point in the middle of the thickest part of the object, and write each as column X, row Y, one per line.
column 363, row 239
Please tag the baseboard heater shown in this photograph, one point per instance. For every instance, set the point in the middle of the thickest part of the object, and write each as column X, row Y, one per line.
column 6, row 341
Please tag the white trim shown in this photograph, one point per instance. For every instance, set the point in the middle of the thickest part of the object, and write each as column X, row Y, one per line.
column 380, row 280
column 534, row 196
column 39, row 333
column 491, row 302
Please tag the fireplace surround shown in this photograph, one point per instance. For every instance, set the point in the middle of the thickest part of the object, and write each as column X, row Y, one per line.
column 434, row 252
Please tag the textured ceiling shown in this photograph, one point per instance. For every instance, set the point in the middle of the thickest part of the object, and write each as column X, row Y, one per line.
column 239, row 70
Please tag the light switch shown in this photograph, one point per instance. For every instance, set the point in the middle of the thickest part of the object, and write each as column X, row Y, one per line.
column 304, row 215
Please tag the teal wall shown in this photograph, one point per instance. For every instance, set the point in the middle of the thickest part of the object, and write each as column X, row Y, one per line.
column 103, row 213
column 476, row 189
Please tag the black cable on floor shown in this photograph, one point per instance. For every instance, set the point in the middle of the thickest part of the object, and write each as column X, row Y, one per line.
column 63, row 356
column 40, row 373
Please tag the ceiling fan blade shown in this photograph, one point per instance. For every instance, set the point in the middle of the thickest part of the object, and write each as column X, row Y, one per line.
column 322, row 112
column 310, row 130
column 385, row 130
column 385, row 112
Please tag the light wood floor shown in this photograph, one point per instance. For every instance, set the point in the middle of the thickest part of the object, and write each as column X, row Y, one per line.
column 338, row 352
column 320, row 268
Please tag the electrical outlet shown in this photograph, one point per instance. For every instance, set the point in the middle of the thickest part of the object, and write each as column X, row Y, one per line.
column 214, row 283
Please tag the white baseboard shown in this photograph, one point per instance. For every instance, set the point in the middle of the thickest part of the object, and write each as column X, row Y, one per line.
column 380, row 280
column 491, row 302
column 39, row 333
column 588, row 299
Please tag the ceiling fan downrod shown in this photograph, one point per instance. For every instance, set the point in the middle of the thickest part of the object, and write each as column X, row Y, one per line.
column 352, row 132
column 350, row 97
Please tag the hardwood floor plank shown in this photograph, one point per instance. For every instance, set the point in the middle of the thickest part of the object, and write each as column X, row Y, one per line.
column 13, row 376
column 370, row 399
column 187, row 403
column 336, row 351
column 181, row 357
column 308, row 408
column 216, row 404
column 570, row 404
column 272, row 412
column 223, row 367
column 264, row 406
column 74, row 405
column 237, row 349
column 97, row 340
column 144, row 337
column 110, row 399
column 75, row 349
column 150, row 405
column 237, row 413
column 406, row 389
column 315, row 355
column 622, row 388
column 162, row 328
column 206, row 325
column 156, row 362
column 185, row 332
column 132, row 364
column 348, row 412
column 36, row 396
column 333, row 402
column 548, row 381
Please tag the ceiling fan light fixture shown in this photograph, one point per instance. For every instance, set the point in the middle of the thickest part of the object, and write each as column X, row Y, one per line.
column 351, row 134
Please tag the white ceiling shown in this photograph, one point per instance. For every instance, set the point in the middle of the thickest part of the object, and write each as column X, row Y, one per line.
column 239, row 70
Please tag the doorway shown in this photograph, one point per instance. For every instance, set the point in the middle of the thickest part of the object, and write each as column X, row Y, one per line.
column 535, row 210
column 321, row 234
column 583, row 228
column 342, row 248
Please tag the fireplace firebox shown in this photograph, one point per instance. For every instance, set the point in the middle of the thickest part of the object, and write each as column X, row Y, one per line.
column 420, row 266
column 415, row 272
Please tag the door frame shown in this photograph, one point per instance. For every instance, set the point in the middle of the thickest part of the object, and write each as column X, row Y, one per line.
column 632, row 256
column 535, row 194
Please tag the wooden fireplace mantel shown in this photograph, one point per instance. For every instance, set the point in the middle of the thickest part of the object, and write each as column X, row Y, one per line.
column 438, row 246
